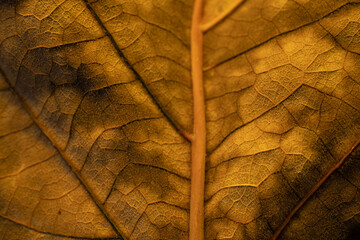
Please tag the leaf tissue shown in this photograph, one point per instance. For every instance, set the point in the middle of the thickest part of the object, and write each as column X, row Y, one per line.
column 179, row 119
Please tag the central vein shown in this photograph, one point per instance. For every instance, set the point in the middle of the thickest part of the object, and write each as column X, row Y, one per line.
column 198, row 143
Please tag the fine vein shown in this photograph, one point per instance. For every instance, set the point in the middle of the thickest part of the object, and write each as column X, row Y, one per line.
column 198, row 144
column 63, row 156
column 311, row 192
column 172, row 121
column 47, row 233
column 207, row 68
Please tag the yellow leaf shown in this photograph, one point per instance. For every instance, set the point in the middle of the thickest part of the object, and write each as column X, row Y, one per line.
column 135, row 119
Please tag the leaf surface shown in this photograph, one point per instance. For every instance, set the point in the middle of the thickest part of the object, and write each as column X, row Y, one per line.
column 96, row 119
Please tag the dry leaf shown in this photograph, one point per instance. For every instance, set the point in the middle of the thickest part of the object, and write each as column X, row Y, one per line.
column 96, row 119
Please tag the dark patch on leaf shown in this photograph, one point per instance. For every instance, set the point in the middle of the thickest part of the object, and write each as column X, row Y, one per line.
column 354, row 233
column 88, row 77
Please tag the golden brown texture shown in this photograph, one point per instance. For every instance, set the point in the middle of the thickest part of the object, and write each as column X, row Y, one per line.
column 96, row 104
column 93, row 117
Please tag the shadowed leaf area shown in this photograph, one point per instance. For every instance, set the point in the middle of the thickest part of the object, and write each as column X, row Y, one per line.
column 354, row 233
column 96, row 95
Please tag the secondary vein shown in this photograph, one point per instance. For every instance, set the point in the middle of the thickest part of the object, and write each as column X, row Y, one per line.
column 312, row 191
column 64, row 157
column 172, row 121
